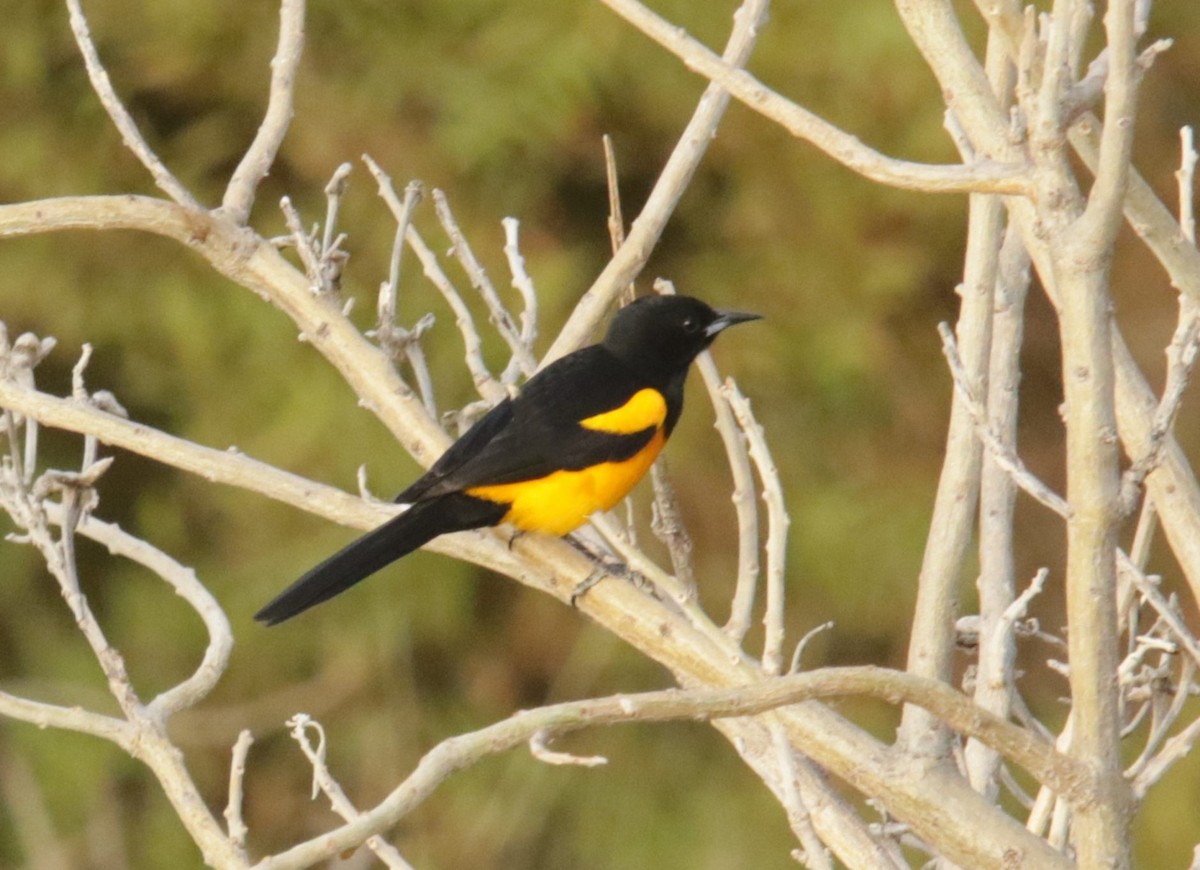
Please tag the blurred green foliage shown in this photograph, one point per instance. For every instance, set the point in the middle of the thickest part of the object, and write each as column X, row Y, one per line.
column 502, row 105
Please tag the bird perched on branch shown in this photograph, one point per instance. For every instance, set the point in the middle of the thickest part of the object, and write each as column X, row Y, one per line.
column 578, row 437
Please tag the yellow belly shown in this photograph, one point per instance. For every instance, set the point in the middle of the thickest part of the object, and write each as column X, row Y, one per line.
column 560, row 502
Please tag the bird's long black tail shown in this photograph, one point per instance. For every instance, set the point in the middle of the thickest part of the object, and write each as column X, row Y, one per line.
column 398, row 537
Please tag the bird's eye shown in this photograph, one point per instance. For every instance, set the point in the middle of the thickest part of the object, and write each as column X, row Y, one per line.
column 691, row 324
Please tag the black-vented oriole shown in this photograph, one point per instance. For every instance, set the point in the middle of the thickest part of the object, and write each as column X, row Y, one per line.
column 578, row 437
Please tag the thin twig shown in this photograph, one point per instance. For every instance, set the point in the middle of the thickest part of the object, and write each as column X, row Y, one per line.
column 741, row 608
column 1165, row 612
column 1000, row 454
column 529, row 300
column 1174, row 750
column 539, row 748
column 1181, row 359
column 305, row 244
column 803, row 644
column 616, row 220
column 668, row 525
column 234, row 822
column 777, row 526
column 323, row 782
column 497, row 313
column 122, row 120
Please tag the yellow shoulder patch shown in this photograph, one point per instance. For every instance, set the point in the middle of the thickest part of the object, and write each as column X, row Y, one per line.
column 645, row 409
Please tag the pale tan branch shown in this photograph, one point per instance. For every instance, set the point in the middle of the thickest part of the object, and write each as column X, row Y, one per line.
column 235, row 824
column 242, row 256
column 777, row 525
column 122, row 120
column 324, row 782
column 256, row 163
column 984, row 176
column 455, row 753
column 76, row 719
column 660, row 205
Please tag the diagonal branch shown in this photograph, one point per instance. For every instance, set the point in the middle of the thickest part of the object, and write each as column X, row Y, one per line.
column 660, row 205
column 122, row 120
column 982, row 176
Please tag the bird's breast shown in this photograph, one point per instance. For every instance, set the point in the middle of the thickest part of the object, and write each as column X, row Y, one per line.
column 559, row 502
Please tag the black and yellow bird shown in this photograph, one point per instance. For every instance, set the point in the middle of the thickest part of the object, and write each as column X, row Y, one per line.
column 578, row 437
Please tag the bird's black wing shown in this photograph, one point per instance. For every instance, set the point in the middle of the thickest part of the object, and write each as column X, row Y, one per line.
column 469, row 444
column 539, row 432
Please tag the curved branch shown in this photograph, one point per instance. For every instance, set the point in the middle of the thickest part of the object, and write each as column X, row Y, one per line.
column 122, row 120
column 256, row 163
column 184, row 581
column 1069, row 778
column 982, row 176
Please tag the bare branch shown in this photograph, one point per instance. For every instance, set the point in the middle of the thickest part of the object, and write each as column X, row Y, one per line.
column 676, row 175
column 1000, row 454
column 76, row 719
column 777, row 525
column 1102, row 216
column 234, row 822
column 323, row 782
column 455, row 753
column 668, row 526
column 741, row 609
column 497, row 313
column 1186, row 176
column 815, row 853
column 122, row 120
column 1175, row 749
column 984, row 176
column 259, row 157
column 485, row 382
column 524, row 286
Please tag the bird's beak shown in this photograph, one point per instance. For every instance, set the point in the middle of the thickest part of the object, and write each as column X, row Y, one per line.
column 726, row 319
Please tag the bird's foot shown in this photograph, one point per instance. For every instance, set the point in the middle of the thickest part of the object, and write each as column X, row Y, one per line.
column 606, row 566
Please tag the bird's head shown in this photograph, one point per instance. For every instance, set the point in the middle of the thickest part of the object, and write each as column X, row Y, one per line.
column 667, row 332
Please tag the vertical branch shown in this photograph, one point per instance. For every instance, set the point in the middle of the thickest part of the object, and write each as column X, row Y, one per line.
column 741, row 609
column 668, row 526
column 524, row 286
column 777, row 525
column 1093, row 483
column 616, row 219
column 997, row 498
column 1186, row 176
column 932, row 643
column 256, row 163
column 234, row 822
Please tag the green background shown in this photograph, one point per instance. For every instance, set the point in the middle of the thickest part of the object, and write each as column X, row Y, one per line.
column 502, row 105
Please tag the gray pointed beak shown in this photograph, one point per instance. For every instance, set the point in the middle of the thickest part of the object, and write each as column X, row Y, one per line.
column 726, row 319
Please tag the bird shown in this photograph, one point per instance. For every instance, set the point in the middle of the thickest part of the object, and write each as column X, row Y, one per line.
column 575, row 440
